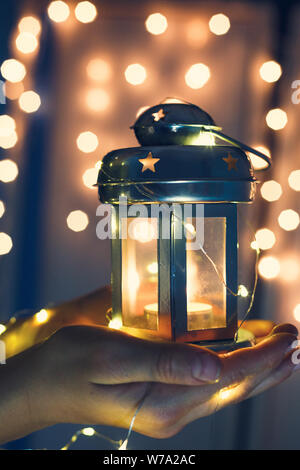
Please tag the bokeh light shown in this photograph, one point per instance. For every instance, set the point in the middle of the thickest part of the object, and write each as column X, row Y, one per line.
column 243, row 291
column 89, row 177
column 254, row 245
column 289, row 269
column 265, row 238
column 152, row 268
column 97, row 99
column 29, row 101
column 98, row 165
column 13, row 90
column 288, row 219
column 197, row 33
column 87, row 142
column 13, row 70
column 142, row 230
column 219, row 24
column 8, row 170
column 41, row 316
column 257, row 162
column 294, row 180
column 270, row 71
column 135, row 74
column 276, row 119
column 2, row 328
column 85, row 12
column 197, row 76
column 6, row 243
column 156, row 23
column 29, row 24
column 77, row 221
column 9, row 141
column 98, row 70
column 115, row 323
column 269, row 267
column 88, row 432
column 2, row 208
column 8, row 135
column 7, row 125
column 271, row 191
column 26, row 43
column 58, row 11
column 204, row 138
column 296, row 312
column 190, row 231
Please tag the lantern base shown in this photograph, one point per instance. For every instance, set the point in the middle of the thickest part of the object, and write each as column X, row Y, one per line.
column 245, row 339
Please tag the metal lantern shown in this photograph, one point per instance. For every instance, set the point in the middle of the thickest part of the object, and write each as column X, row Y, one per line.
column 174, row 226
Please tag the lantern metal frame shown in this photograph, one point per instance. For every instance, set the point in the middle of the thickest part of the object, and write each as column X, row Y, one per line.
column 172, row 281
column 216, row 173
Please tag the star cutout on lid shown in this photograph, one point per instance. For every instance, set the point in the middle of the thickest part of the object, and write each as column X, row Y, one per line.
column 149, row 162
column 159, row 115
column 231, row 162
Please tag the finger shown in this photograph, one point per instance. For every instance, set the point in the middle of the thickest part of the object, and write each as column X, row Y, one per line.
column 168, row 408
column 281, row 373
column 252, row 361
column 259, row 327
column 122, row 358
column 285, row 328
column 242, row 371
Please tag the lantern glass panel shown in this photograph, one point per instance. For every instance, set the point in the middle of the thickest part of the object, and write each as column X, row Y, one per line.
column 139, row 273
column 206, row 293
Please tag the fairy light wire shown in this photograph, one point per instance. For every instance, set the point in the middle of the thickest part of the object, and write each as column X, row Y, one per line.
column 81, row 432
column 138, row 409
column 120, row 444
column 257, row 253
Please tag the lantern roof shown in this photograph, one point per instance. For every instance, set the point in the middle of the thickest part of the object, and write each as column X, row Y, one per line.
column 183, row 157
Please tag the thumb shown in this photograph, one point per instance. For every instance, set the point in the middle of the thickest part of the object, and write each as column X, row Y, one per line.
column 125, row 359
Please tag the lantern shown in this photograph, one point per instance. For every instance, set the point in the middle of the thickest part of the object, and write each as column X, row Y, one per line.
column 174, row 226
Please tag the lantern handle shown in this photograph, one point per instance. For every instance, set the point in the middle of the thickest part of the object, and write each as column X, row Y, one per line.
column 180, row 100
column 243, row 146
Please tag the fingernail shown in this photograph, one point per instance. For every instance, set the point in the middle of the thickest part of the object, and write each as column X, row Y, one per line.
column 289, row 340
column 293, row 345
column 207, row 369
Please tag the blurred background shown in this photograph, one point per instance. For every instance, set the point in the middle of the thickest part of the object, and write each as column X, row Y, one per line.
column 74, row 77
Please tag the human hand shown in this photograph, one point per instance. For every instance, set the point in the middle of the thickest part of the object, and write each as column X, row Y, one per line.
column 90, row 309
column 99, row 376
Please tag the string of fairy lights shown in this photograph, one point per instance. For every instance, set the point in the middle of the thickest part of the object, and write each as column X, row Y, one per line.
column 14, row 71
column 17, row 88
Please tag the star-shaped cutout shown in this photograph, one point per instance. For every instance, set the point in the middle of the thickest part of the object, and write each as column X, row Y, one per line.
column 231, row 162
column 149, row 162
column 159, row 115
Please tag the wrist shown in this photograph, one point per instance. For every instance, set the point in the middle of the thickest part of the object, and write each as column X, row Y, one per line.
column 24, row 407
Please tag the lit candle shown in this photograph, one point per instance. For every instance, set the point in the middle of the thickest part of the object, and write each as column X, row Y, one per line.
column 193, row 308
